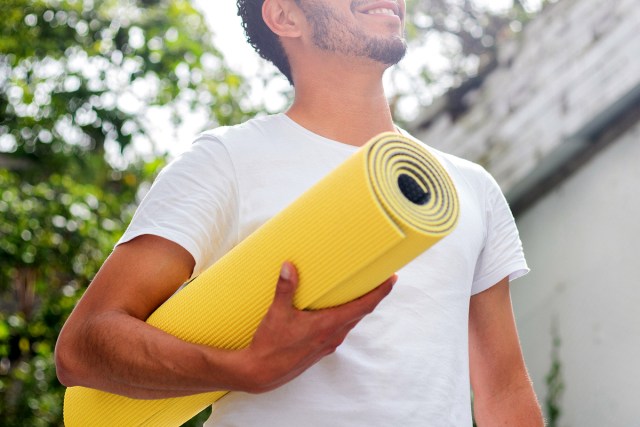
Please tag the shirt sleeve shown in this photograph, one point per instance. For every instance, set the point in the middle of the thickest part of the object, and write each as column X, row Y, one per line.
column 502, row 254
column 193, row 202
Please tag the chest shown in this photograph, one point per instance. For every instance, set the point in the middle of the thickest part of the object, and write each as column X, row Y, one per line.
column 269, row 186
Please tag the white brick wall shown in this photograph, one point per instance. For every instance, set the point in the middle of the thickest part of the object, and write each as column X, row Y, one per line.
column 569, row 68
column 567, row 76
column 582, row 242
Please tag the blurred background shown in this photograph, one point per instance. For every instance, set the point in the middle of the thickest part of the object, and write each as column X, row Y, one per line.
column 97, row 95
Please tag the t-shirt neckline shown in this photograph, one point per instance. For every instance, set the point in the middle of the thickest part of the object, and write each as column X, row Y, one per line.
column 315, row 136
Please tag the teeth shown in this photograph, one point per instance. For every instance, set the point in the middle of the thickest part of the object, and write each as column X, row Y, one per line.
column 381, row 11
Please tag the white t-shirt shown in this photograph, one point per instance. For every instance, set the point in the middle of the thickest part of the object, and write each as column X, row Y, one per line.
column 407, row 363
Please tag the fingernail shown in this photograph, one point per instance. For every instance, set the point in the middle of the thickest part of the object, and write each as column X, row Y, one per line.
column 285, row 273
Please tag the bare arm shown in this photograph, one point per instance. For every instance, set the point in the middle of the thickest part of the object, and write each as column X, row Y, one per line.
column 105, row 343
column 503, row 394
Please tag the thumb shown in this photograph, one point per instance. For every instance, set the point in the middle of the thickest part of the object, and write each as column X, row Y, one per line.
column 287, row 284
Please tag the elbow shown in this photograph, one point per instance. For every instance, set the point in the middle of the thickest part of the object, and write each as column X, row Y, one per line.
column 64, row 374
column 66, row 366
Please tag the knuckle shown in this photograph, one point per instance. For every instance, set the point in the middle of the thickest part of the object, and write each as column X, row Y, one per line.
column 339, row 342
column 284, row 288
column 364, row 310
column 329, row 350
column 368, row 308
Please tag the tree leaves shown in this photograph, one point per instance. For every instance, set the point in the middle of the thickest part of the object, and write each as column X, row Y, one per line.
column 77, row 79
column 79, row 75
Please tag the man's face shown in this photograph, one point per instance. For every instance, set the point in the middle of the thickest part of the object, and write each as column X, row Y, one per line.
column 372, row 29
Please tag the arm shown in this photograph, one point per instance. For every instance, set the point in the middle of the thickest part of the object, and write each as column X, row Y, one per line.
column 503, row 393
column 105, row 344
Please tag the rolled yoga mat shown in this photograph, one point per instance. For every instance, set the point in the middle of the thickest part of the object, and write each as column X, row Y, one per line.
column 384, row 206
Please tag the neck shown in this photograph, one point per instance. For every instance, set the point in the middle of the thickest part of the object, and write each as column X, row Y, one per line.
column 346, row 104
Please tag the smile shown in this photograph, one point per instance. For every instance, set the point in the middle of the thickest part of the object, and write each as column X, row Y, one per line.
column 383, row 7
column 381, row 11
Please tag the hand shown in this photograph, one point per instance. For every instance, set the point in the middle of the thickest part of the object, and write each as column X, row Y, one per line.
column 288, row 341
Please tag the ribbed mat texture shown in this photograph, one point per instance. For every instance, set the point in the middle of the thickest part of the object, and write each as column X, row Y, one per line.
column 384, row 206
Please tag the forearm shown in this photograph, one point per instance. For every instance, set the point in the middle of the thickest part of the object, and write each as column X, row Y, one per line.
column 112, row 350
column 145, row 363
column 503, row 393
column 514, row 407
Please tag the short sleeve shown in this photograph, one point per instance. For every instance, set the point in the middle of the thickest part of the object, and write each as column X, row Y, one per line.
column 193, row 202
column 502, row 254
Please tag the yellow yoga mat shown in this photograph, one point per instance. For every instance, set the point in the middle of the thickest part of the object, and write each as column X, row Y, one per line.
column 384, row 206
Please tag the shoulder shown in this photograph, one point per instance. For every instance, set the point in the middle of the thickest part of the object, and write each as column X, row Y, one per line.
column 462, row 170
column 212, row 151
column 473, row 173
column 253, row 131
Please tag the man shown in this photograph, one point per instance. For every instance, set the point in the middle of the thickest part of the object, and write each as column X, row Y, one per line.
column 448, row 323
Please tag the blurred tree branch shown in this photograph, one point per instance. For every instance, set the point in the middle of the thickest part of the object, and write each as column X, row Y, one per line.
column 77, row 80
column 462, row 37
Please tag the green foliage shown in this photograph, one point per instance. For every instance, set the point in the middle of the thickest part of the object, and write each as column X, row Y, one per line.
column 77, row 80
column 53, row 238
column 555, row 382
column 76, row 76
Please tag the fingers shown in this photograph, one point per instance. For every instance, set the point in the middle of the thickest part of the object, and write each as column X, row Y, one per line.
column 288, row 283
column 288, row 340
column 349, row 313
column 286, row 286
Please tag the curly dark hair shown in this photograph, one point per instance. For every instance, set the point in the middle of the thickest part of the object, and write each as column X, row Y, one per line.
column 263, row 40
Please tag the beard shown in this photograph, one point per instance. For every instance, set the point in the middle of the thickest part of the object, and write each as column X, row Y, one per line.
column 333, row 32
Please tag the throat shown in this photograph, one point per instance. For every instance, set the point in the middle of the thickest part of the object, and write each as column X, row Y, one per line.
column 341, row 99
column 344, row 123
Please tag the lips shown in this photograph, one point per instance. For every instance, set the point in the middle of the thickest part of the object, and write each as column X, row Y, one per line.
column 381, row 11
column 386, row 7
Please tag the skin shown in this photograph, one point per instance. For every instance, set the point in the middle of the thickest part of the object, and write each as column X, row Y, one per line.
column 338, row 96
column 503, row 393
column 105, row 343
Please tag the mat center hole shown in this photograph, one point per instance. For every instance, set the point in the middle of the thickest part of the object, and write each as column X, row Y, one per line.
column 413, row 191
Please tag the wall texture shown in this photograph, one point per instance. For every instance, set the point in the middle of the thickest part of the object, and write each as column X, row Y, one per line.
column 582, row 242
column 558, row 124
column 572, row 70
